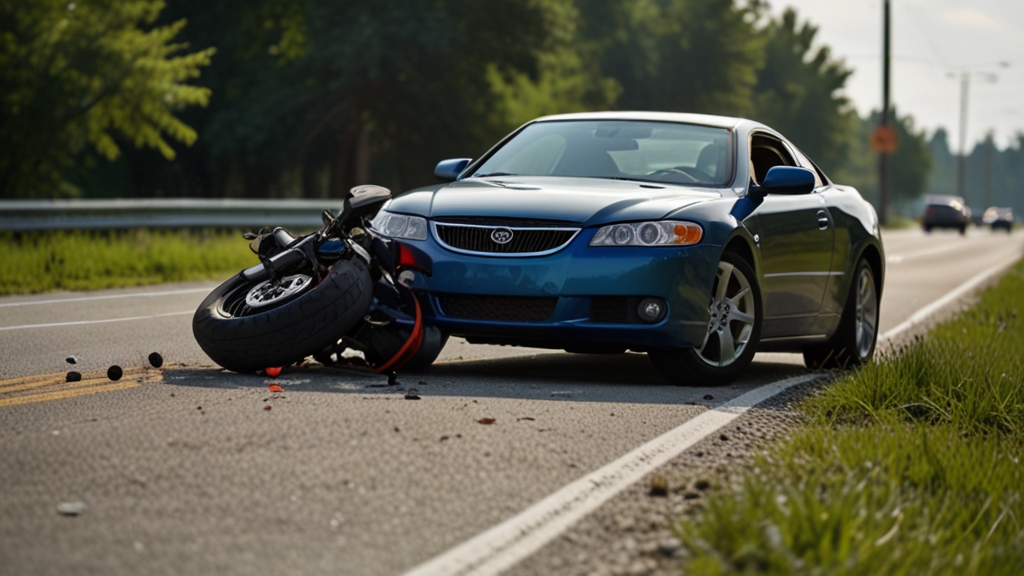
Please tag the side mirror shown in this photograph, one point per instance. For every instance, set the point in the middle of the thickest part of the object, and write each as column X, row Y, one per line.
column 450, row 169
column 787, row 180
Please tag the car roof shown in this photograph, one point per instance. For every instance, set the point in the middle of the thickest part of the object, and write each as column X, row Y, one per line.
column 699, row 119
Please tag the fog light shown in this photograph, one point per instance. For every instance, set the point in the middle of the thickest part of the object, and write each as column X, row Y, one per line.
column 652, row 309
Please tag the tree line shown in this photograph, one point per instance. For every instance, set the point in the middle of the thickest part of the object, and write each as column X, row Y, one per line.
column 306, row 98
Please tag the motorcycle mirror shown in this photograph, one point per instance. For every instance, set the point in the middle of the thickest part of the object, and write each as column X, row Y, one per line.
column 255, row 244
column 327, row 217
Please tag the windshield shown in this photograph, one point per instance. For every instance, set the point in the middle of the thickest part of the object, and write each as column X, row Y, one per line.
column 660, row 152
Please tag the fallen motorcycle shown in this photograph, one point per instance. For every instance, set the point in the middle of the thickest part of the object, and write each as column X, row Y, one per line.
column 335, row 294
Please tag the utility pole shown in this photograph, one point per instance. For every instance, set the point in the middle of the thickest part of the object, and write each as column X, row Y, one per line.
column 883, row 159
column 965, row 81
column 989, row 145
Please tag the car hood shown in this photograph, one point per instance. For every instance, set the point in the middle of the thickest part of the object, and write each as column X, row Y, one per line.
column 588, row 201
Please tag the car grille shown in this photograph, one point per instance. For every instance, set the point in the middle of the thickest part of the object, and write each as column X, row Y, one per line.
column 498, row 308
column 524, row 241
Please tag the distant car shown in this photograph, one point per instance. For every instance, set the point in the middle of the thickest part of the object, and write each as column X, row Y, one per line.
column 696, row 239
column 946, row 212
column 997, row 218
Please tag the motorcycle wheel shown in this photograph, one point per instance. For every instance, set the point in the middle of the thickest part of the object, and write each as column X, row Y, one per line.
column 282, row 331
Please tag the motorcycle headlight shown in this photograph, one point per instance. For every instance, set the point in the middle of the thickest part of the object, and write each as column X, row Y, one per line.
column 662, row 233
column 400, row 225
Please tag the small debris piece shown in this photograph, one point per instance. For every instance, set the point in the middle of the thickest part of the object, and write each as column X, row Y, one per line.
column 659, row 486
column 709, row 397
column 443, row 438
column 525, row 418
column 115, row 372
column 702, row 485
column 71, row 508
column 156, row 360
column 273, row 372
column 691, row 495
column 392, row 378
column 485, row 421
column 73, row 377
column 422, row 382
column 275, row 388
column 412, row 394
column 723, row 438
column 267, row 407
column 71, row 360
column 669, row 546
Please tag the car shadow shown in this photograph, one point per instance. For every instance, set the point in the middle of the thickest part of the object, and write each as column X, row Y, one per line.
column 628, row 378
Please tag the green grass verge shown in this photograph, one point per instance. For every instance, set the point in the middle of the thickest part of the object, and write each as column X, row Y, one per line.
column 90, row 260
column 912, row 465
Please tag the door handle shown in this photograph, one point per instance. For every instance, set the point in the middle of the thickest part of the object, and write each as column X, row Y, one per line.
column 822, row 220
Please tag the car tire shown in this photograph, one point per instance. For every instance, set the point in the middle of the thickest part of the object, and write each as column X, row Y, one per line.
column 853, row 343
column 963, row 230
column 286, row 332
column 734, row 331
column 927, row 229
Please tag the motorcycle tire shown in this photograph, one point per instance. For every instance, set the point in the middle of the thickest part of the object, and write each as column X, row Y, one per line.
column 288, row 331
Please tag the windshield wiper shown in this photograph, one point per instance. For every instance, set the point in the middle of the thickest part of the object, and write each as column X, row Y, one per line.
column 491, row 174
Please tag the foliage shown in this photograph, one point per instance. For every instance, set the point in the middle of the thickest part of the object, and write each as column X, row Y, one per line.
column 909, row 466
column 96, row 74
column 993, row 176
column 80, row 260
column 799, row 91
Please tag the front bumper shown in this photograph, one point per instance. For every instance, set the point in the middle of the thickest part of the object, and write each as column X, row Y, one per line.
column 569, row 282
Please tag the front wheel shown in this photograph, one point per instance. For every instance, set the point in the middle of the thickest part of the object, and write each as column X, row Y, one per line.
column 853, row 343
column 733, row 332
column 246, row 326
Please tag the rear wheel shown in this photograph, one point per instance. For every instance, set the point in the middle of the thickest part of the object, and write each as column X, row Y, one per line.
column 733, row 332
column 246, row 326
column 854, row 341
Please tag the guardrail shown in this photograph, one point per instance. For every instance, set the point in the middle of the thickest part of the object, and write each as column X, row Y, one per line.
column 24, row 215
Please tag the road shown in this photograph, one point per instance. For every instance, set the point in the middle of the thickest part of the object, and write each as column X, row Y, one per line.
column 189, row 469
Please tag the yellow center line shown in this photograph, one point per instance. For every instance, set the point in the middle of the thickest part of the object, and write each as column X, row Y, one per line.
column 46, row 387
column 62, row 394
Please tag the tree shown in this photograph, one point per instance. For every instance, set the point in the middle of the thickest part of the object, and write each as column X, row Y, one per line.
column 799, row 91
column 95, row 75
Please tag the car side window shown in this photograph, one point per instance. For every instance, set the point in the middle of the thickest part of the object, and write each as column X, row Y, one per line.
column 804, row 162
column 767, row 152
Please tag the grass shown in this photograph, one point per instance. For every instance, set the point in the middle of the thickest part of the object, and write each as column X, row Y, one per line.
column 912, row 465
column 89, row 260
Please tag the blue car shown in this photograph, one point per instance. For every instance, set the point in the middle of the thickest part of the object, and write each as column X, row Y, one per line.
column 697, row 239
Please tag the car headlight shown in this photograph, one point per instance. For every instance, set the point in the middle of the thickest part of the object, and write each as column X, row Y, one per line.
column 400, row 225
column 663, row 233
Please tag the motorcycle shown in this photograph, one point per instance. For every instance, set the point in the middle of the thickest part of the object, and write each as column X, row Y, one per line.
column 339, row 294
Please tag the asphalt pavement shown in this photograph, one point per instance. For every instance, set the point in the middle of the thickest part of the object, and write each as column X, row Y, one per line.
column 190, row 469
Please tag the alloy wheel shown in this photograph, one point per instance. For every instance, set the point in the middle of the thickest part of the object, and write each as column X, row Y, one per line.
column 732, row 317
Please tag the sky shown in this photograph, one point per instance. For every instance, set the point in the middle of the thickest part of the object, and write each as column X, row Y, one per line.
column 933, row 43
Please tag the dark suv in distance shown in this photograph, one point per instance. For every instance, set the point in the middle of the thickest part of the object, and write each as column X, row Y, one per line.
column 997, row 218
column 946, row 212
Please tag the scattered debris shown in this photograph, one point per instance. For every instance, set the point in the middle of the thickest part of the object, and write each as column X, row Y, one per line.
column 267, row 407
column 397, row 429
column 71, row 508
column 709, row 397
column 659, row 486
column 273, row 372
column 561, row 394
column 199, row 407
column 275, row 388
column 156, row 360
column 669, row 546
column 691, row 495
column 73, row 377
column 525, row 418
column 423, row 382
column 485, row 421
column 723, row 438
column 702, row 485
column 412, row 394
column 115, row 372
column 71, row 360
column 392, row 378
column 443, row 438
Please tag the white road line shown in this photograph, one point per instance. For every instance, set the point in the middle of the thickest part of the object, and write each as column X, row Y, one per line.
column 504, row 545
column 923, row 314
column 112, row 296
column 83, row 322
column 897, row 258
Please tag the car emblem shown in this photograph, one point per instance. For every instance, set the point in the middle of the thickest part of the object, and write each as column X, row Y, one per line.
column 501, row 235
